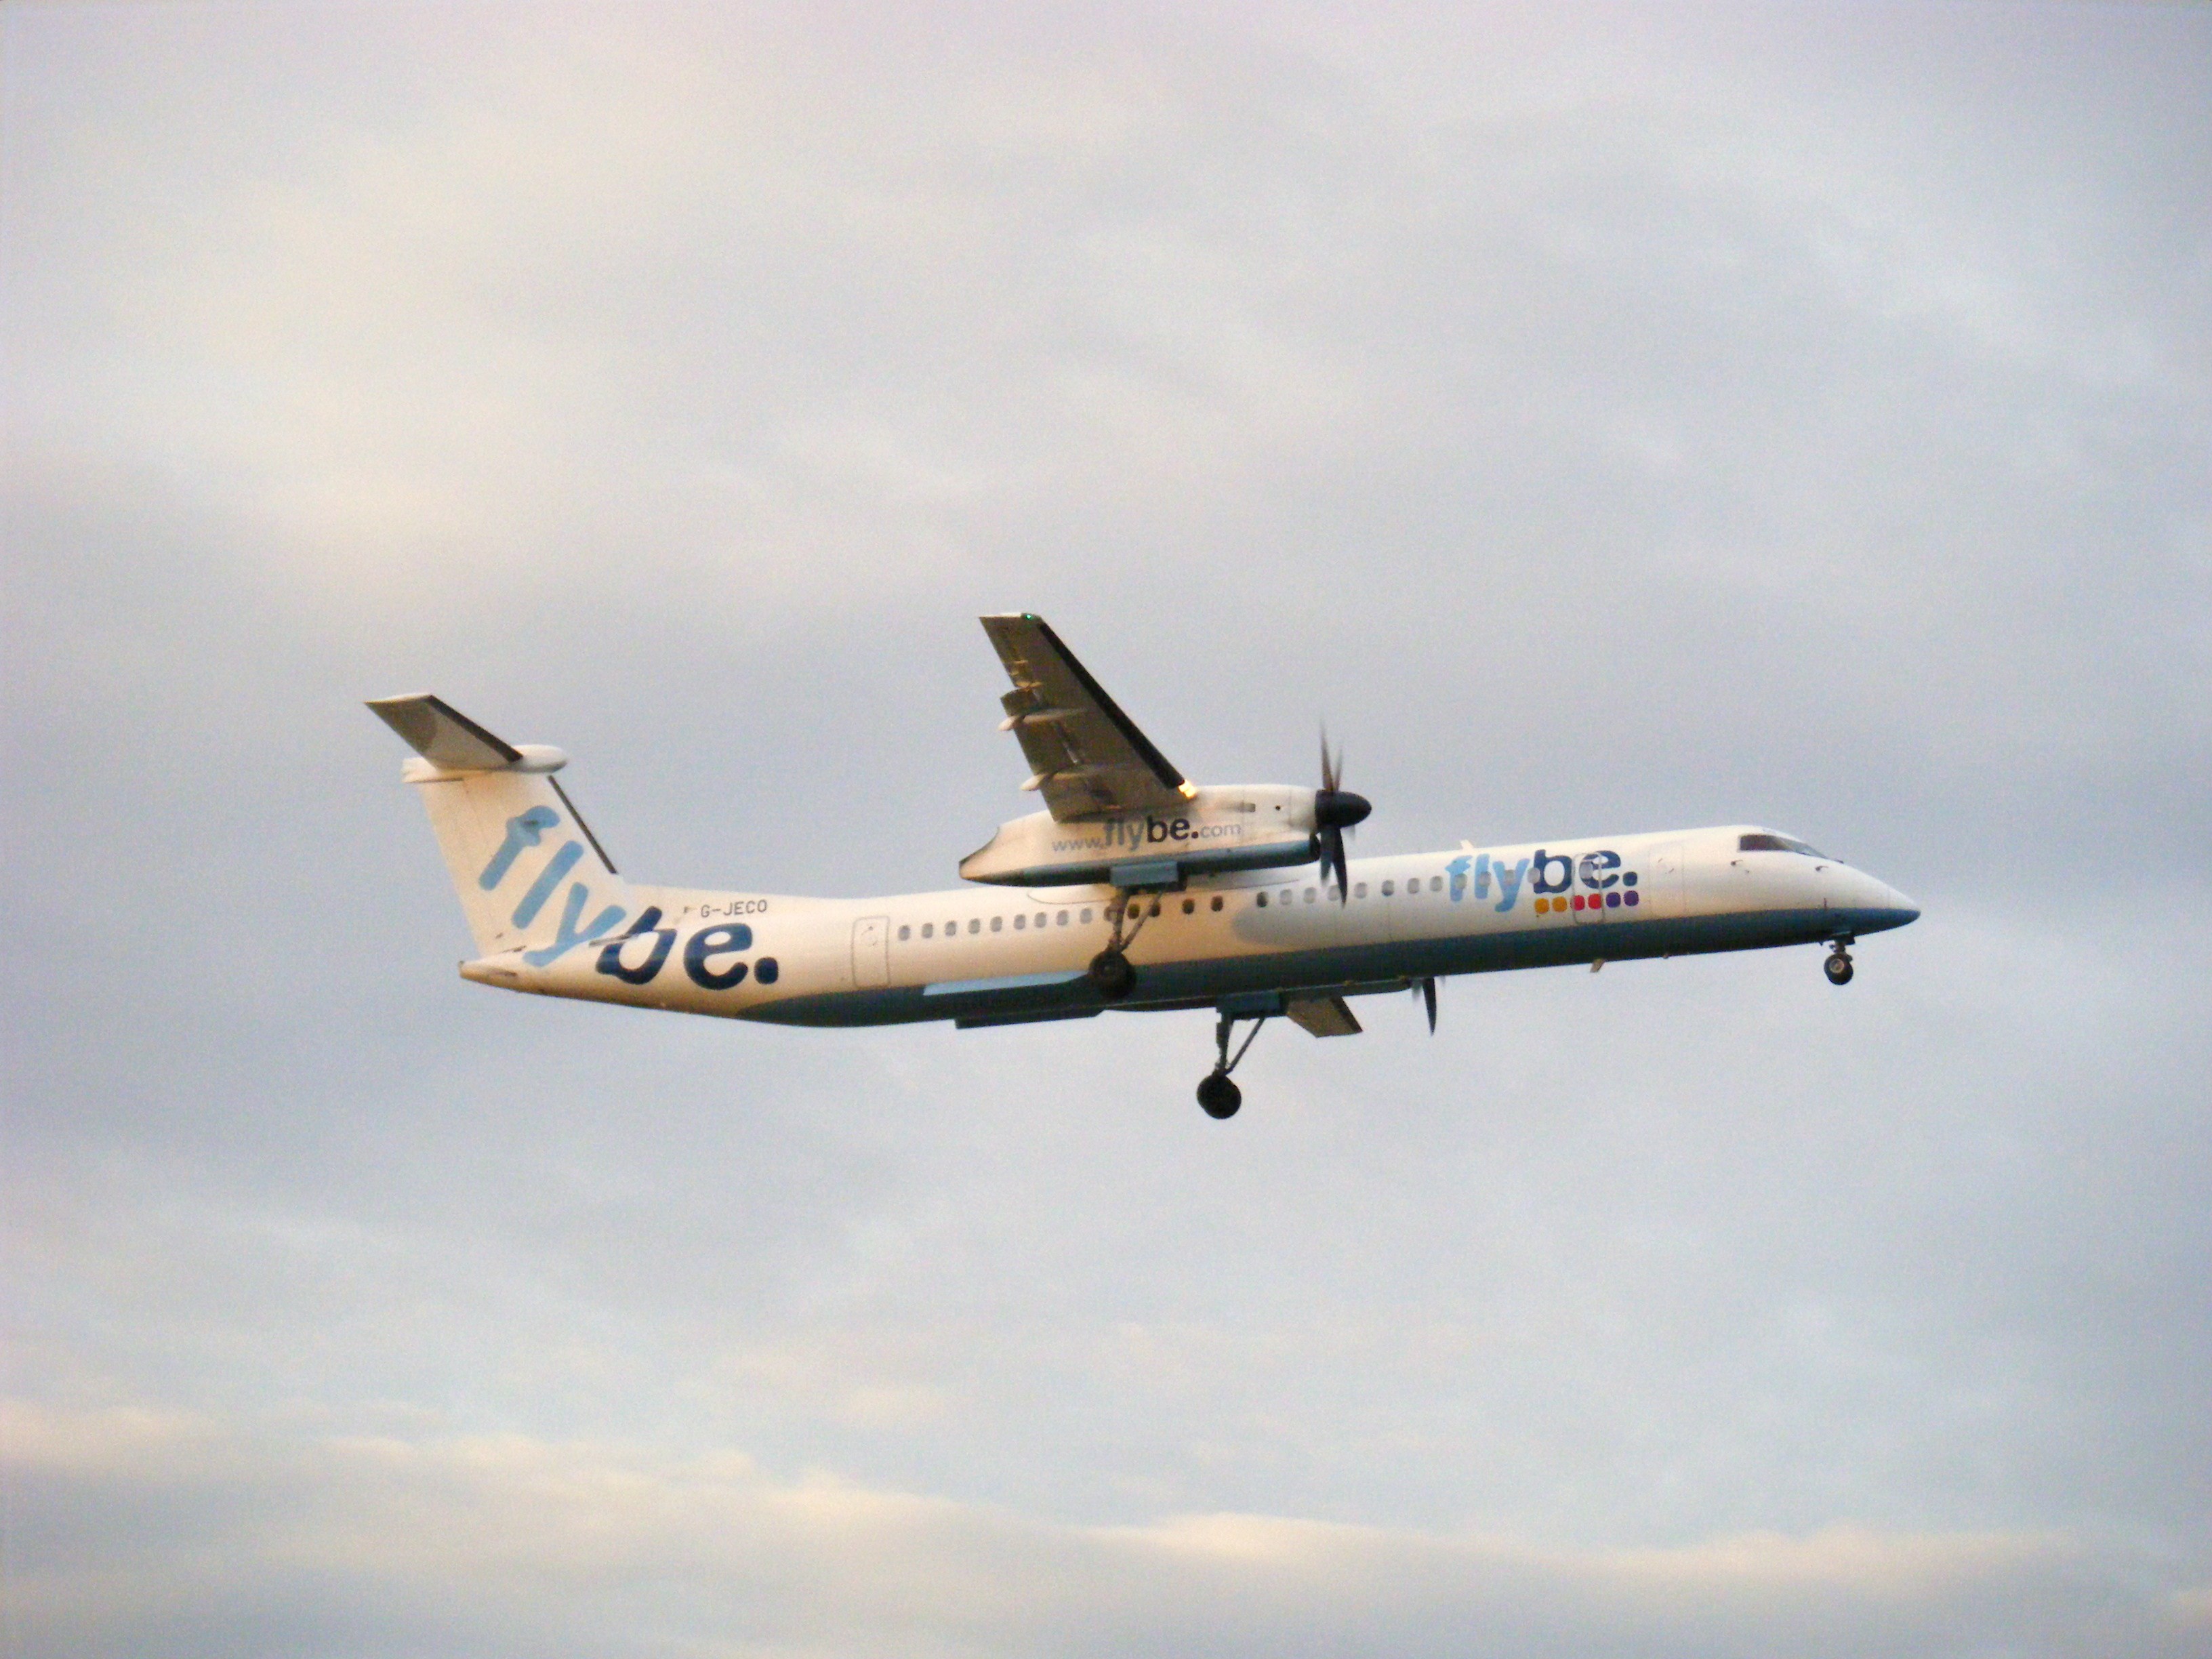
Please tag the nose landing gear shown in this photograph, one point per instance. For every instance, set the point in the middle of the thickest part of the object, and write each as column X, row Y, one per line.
column 1216, row 1092
column 1839, row 964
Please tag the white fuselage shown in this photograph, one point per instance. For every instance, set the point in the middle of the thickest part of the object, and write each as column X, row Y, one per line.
column 989, row 955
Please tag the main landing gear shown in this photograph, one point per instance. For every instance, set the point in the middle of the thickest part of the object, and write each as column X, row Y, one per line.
column 1109, row 972
column 1216, row 1092
column 1839, row 964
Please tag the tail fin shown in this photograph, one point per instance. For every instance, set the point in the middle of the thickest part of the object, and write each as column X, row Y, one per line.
column 510, row 836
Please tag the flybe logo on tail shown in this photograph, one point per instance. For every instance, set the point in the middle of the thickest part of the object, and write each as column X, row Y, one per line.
column 714, row 958
column 525, row 830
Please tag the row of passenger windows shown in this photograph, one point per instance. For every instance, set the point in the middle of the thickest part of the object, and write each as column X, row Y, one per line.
column 1023, row 921
column 998, row 923
column 1289, row 894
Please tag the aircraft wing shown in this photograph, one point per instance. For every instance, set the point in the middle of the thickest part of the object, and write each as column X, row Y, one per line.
column 1086, row 757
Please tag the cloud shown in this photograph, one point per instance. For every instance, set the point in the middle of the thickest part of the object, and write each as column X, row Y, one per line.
column 1778, row 415
column 516, row 1544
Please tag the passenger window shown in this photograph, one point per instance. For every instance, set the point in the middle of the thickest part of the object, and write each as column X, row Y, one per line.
column 1310, row 895
column 1286, row 896
column 906, row 933
column 1021, row 921
column 1436, row 883
column 1063, row 918
column 929, row 930
column 997, row 922
column 1189, row 905
column 1217, row 900
column 1359, row 889
column 1263, row 901
column 1085, row 917
column 1389, row 888
column 975, row 926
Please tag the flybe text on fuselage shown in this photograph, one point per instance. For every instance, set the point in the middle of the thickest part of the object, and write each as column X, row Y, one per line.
column 1134, row 834
column 1223, row 829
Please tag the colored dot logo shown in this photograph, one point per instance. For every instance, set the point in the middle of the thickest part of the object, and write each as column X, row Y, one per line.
column 1626, row 899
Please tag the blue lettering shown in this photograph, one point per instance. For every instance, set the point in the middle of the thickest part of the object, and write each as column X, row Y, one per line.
column 569, row 936
column 1545, row 882
column 1457, row 871
column 523, row 830
column 542, row 889
column 611, row 960
column 716, row 942
column 1595, row 865
column 1509, row 883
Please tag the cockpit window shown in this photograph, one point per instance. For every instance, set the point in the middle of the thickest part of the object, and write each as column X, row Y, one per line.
column 1760, row 842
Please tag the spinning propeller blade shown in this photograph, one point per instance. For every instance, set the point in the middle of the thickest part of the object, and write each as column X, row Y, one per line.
column 1336, row 809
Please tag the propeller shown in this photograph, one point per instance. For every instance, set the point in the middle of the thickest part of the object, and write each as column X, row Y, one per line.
column 1335, row 811
column 1427, row 987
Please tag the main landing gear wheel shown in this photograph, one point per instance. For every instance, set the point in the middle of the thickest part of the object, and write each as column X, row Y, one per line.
column 1112, row 976
column 1219, row 1095
column 1838, row 966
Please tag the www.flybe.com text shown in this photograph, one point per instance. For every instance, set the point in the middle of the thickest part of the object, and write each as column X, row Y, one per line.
column 1129, row 834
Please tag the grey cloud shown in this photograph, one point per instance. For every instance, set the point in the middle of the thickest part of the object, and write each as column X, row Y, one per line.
column 1634, row 424
column 385, row 1543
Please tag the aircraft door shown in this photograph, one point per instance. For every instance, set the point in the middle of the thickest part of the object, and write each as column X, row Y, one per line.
column 872, row 952
column 1664, row 883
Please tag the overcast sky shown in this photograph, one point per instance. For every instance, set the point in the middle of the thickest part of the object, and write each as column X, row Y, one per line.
column 1607, row 420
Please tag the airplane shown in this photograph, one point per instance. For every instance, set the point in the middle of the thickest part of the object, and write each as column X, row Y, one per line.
column 1133, row 890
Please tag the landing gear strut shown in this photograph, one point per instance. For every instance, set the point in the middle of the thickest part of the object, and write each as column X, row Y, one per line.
column 1839, row 964
column 1110, row 974
column 1216, row 1092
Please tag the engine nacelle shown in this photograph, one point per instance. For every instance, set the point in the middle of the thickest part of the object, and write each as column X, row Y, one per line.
column 1228, row 827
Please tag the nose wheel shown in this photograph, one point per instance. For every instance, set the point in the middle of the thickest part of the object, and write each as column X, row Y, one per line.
column 1217, row 1093
column 1838, row 965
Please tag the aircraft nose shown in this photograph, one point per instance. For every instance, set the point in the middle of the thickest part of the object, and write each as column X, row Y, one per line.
column 1873, row 903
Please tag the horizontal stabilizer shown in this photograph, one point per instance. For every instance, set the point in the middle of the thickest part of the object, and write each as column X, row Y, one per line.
column 444, row 736
column 1323, row 1016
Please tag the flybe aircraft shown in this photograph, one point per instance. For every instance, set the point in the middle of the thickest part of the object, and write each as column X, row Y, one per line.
column 1133, row 890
